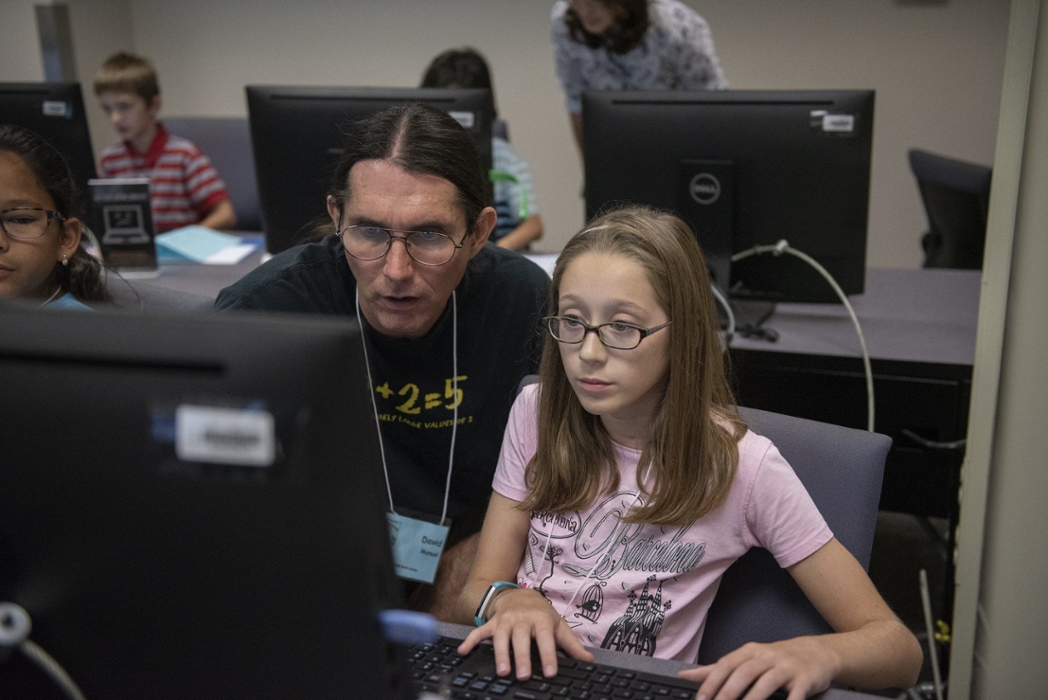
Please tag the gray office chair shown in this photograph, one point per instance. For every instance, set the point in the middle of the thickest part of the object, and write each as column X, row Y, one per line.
column 956, row 198
column 842, row 469
column 227, row 143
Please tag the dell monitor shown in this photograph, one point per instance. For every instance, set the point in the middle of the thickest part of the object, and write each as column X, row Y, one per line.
column 192, row 506
column 297, row 135
column 56, row 112
column 744, row 168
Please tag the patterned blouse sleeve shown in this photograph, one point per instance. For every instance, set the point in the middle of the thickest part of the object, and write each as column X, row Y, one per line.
column 695, row 58
column 565, row 54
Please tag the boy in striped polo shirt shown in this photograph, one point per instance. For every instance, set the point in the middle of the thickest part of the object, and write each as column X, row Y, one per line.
column 184, row 187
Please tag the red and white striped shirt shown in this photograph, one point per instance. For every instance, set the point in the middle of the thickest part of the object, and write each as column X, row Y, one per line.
column 184, row 187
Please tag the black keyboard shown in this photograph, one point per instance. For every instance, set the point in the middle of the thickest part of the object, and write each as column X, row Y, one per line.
column 438, row 668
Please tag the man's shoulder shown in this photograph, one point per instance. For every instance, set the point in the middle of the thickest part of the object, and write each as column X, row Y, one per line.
column 304, row 278
column 494, row 264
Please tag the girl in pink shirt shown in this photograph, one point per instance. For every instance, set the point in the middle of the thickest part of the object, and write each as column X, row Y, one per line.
column 627, row 484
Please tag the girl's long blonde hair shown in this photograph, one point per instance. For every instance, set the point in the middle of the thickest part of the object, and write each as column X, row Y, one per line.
column 689, row 460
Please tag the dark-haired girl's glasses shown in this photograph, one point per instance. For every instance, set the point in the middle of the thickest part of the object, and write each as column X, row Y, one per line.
column 617, row 334
column 366, row 242
column 26, row 223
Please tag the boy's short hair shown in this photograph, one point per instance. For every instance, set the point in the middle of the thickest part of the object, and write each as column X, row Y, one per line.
column 126, row 72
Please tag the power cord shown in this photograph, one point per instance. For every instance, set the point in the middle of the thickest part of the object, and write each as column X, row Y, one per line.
column 15, row 626
column 730, row 331
column 784, row 247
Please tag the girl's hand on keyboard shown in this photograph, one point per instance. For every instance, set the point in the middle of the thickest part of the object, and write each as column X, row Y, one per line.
column 518, row 617
column 803, row 666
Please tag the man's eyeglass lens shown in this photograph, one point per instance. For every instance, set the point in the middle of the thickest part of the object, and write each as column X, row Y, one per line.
column 26, row 222
column 373, row 242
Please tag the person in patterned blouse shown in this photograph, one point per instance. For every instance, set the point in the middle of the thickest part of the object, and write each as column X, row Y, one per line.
column 630, row 45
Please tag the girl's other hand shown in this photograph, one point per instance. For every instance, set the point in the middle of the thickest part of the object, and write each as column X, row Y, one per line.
column 519, row 616
column 801, row 666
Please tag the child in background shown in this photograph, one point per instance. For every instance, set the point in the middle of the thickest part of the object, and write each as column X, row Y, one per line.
column 41, row 258
column 184, row 187
column 519, row 223
column 628, row 469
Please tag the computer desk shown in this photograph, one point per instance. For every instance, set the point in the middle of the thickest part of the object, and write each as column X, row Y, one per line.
column 920, row 332
column 183, row 286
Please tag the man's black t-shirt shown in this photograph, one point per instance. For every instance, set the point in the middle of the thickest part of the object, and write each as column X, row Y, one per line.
column 501, row 299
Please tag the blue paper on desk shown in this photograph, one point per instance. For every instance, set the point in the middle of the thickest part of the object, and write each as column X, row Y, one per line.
column 203, row 245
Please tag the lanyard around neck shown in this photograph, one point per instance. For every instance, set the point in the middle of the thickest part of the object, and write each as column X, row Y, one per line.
column 374, row 405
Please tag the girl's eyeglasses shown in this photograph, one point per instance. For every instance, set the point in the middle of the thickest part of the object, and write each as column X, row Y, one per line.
column 616, row 334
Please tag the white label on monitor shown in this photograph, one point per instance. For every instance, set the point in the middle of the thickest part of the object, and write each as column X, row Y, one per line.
column 466, row 119
column 225, row 436
column 838, row 122
column 54, row 108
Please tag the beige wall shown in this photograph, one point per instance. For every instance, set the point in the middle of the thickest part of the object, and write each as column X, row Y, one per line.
column 100, row 28
column 20, row 58
column 936, row 66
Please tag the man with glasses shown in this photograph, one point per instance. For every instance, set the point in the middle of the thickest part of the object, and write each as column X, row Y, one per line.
column 451, row 324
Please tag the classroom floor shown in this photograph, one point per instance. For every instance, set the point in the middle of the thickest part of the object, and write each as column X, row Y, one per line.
column 902, row 546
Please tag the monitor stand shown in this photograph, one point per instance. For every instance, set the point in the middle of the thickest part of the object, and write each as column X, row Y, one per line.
column 750, row 317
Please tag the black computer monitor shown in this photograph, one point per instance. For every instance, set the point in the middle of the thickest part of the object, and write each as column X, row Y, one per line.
column 56, row 112
column 297, row 135
column 744, row 168
column 191, row 507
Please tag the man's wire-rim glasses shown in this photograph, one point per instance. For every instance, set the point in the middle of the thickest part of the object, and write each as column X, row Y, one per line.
column 369, row 242
column 615, row 334
column 27, row 223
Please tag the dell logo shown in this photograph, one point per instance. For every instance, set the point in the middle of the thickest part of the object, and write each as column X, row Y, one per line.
column 704, row 188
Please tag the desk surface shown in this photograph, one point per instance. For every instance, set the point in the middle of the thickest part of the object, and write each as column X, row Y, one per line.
column 925, row 315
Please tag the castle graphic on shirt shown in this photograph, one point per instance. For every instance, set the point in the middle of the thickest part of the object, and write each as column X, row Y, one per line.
column 637, row 630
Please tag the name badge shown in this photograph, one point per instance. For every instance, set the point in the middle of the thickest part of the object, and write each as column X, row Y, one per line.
column 417, row 546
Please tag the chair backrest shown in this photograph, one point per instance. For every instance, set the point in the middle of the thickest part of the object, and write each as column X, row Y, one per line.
column 500, row 129
column 226, row 141
column 842, row 469
column 956, row 197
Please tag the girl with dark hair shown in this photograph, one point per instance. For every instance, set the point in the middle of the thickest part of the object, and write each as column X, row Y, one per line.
column 628, row 484
column 631, row 45
column 40, row 253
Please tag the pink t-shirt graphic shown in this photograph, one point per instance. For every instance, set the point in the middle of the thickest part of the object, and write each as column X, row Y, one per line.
column 646, row 589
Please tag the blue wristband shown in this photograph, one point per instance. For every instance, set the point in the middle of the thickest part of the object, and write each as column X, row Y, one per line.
column 494, row 589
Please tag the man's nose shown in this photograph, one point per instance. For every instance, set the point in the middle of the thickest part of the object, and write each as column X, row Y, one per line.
column 399, row 263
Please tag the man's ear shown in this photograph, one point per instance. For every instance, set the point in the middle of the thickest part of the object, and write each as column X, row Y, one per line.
column 334, row 209
column 154, row 106
column 482, row 229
